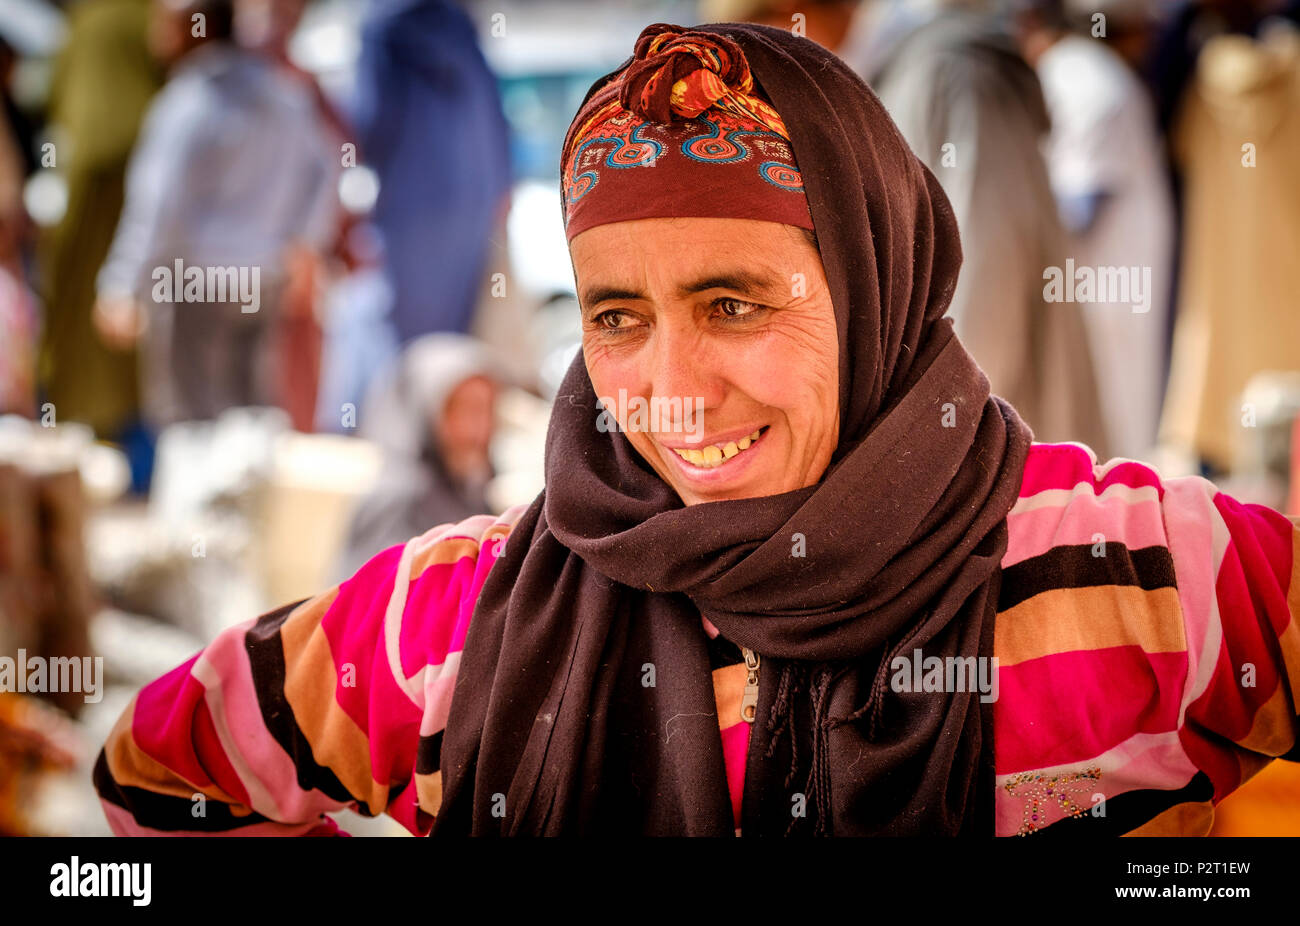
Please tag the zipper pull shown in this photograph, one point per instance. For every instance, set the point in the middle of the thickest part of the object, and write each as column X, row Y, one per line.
column 749, row 700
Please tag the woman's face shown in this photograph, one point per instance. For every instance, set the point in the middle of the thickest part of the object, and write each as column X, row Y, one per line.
column 464, row 429
column 701, row 332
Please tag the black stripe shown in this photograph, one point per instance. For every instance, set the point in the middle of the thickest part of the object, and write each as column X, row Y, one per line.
column 428, row 754
column 165, row 811
column 723, row 653
column 1075, row 567
column 266, row 655
column 1127, row 811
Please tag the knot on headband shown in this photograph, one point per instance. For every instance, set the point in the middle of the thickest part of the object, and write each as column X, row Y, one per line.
column 682, row 131
column 676, row 74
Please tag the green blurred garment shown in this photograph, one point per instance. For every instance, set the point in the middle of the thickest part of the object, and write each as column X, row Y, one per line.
column 103, row 81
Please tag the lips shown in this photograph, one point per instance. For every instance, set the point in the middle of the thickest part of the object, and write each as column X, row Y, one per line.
column 715, row 455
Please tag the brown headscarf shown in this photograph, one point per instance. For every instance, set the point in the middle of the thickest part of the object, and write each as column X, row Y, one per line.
column 552, row 727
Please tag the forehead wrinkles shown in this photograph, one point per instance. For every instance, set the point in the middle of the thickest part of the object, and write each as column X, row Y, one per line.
column 659, row 264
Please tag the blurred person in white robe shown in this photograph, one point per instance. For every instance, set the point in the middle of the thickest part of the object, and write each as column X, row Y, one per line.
column 1106, row 163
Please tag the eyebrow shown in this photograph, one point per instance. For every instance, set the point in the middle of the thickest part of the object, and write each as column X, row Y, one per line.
column 742, row 281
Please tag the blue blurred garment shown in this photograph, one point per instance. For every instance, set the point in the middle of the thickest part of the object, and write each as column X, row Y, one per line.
column 428, row 119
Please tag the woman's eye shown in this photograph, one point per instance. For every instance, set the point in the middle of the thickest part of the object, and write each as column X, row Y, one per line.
column 611, row 320
column 734, row 308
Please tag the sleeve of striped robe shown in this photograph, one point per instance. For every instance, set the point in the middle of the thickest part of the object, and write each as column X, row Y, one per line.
column 1148, row 645
column 337, row 701
column 1238, row 569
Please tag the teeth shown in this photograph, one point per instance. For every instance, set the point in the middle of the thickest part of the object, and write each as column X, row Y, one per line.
column 714, row 454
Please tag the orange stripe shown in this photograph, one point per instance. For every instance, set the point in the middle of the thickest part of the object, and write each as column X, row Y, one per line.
column 728, row 689
column 1065, row 620
column 453, row 549
column 443, row 552
column 310, row 678
column 428, row 792
column 132, row 767
column 1273, row 730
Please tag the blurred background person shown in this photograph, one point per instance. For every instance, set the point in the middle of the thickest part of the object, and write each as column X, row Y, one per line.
column 432, row 413
column 1107, row 169
column 267, row 26
column 103, row 80
column 1234, row 138
column 1185, row 27
column 232, row 170
column 428, row 118
column 972, row 109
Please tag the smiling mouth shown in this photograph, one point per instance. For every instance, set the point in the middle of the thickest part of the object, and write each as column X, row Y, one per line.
column 715, row 455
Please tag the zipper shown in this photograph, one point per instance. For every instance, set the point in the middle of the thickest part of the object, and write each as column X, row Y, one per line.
column 749, row 700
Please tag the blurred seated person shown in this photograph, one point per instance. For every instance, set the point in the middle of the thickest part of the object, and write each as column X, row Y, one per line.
column 432, row 412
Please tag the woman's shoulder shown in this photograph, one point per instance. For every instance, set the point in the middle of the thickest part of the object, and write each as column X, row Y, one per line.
column 1069, row 499
column 433, row 579
column 461, row 550
column 1129, row 604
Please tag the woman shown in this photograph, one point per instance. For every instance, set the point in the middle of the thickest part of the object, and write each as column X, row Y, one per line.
column 693, row 630
column 432, row 415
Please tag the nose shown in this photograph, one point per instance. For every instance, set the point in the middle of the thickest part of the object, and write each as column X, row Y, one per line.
column 681, row 365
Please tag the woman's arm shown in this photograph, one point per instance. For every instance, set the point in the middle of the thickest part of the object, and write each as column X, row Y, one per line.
column 336, row 701
column 1238, row 568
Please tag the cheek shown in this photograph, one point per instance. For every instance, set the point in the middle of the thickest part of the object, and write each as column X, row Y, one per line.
column 609, row 370
column 794, row 367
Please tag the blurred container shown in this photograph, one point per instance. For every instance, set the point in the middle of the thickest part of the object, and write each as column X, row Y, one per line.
column 315, row 483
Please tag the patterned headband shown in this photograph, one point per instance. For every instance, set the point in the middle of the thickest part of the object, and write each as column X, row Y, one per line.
column 682, row 131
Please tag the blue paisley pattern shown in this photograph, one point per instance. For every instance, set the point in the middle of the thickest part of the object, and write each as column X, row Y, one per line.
column 635, row 149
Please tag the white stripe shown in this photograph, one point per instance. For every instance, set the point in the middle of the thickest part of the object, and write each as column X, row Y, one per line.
column 259, row 797
column 1059, row 498
column 413, row 687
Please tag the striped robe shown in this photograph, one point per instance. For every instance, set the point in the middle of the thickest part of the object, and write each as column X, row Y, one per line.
column 1146, row 635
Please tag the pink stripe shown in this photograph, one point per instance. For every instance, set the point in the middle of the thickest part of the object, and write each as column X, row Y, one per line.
column 1063, row 466
column 439, row 685
column 1262, row 538
column 381, row 709
column 735, row 746
column 1033, row 533
column 1157, row 762
column 123, row 824
column 405, row 809
column 434, row 622
column 212, row 756
column 1190, row 519
column 1140, row 762
column 257, row 749
column 1071, row 707
column 162, row 721
column 1251, row 590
